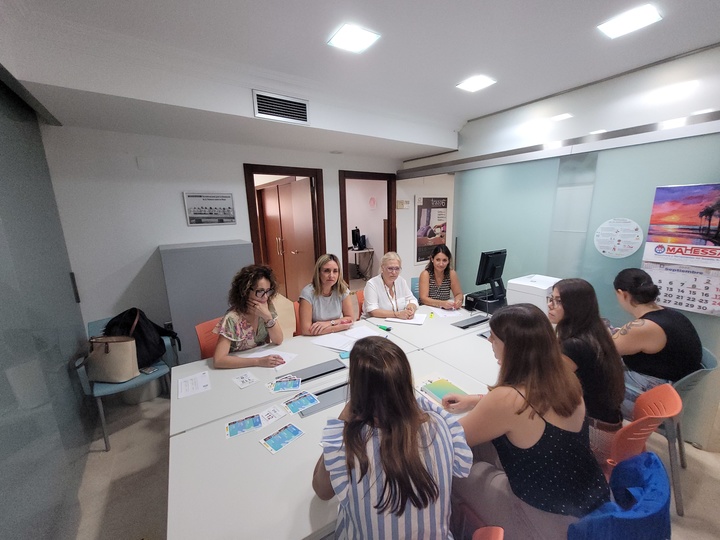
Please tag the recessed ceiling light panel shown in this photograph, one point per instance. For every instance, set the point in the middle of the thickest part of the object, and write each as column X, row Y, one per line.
column 559, row 117
column 631, row 20
column 353, row 38
column 476, row 82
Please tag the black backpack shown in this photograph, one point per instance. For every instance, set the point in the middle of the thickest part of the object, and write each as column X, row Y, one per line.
column 148, row 335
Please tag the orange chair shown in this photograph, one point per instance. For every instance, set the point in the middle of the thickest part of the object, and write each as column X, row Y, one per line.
column 206, row 338
column 296, row 304
column 360, row 295
column 665, row 403
column 489, row 533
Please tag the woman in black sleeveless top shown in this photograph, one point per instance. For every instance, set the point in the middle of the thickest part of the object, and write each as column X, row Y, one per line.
column 659, row 346
column 536, row 474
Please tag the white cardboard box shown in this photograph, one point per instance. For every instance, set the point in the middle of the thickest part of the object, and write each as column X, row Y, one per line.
column 533, row 289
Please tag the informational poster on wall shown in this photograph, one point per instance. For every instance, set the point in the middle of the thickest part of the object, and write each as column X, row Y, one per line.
column 618, row 238
column 682, row 252
column 209, row 208
column 432, row 215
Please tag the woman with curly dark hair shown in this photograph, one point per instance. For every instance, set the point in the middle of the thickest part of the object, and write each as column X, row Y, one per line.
column 251, row 320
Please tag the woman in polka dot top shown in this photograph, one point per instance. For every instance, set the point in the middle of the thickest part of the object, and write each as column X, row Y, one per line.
column 535, row 473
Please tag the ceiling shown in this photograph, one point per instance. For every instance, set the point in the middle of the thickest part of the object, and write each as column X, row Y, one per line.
column 533, row 49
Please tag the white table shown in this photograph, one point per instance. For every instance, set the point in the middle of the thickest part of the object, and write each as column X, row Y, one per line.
column 225, row 397
column 434, row 330
column 470, row 354
column 234, row 488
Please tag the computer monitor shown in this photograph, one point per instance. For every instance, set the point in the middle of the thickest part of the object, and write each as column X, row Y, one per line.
column 490, row 271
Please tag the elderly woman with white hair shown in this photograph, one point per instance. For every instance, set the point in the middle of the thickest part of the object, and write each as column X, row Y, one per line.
column 388, row 294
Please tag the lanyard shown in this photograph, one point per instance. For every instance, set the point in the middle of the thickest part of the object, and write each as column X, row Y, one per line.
column 387, row 291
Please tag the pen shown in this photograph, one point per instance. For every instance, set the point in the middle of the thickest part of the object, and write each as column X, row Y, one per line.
column 386, row 328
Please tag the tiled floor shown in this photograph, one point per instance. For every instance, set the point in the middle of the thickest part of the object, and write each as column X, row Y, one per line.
column 124, row 492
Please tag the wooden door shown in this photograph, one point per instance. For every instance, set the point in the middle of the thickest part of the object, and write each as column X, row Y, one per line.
column 298, row 235
column 273, row 236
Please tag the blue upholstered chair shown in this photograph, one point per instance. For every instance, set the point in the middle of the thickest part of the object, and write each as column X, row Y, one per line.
column 415, row 287
column 99, row 390
column 641, row 509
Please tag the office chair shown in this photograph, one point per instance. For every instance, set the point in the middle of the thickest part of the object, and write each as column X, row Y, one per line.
column 659, row 405
column 99, row 390
column 360, row 296
column 684, row 387
column 297, row 332
column 415, row 287
column 206, row 338
column 641, row 507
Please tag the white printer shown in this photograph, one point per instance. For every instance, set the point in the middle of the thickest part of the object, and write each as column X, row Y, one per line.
column 533, row 289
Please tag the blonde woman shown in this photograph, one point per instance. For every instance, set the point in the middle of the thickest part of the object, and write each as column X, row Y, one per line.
column 388, row 294
column 325, row 305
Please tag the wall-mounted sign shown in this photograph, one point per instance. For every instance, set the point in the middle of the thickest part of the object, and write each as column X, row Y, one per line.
column 685, row 226
column 209, row 208
column 432, row 215
column 618, row 238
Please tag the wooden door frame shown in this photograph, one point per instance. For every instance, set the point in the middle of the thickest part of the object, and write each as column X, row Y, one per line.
column 390, row 180
column 253, row 204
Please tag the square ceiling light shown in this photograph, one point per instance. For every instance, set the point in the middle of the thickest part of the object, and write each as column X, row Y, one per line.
column 629, row 21
column 353, row 38
column 475, row 83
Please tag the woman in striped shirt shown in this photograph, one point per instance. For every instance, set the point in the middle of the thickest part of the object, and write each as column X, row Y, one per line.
column 439, row 284
column 389, row 457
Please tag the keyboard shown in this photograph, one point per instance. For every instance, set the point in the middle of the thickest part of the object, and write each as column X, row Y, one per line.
column 471, row 321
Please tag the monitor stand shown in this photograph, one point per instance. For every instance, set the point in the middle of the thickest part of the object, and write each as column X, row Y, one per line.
column 489, row 304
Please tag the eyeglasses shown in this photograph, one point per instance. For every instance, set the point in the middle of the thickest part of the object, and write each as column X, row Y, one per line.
column 393, row 269
column 554, row 301
column 264, row 292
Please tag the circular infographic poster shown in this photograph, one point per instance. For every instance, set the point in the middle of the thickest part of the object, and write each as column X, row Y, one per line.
column 618, row 238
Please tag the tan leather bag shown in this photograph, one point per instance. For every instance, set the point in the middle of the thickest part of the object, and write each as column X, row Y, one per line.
column 112, row 359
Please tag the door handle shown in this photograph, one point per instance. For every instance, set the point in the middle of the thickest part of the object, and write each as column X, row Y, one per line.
column 277, row 245
column 295, row 252
column 282, row 246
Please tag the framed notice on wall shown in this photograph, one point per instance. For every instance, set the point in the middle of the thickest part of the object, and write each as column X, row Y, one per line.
column 209, row 209
column 432, row 215
column 682, row 252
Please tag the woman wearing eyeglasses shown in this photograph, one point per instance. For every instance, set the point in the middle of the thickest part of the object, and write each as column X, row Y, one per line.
column 389, row 295
column 251, row 320
column 325, row 305
column 585, row 340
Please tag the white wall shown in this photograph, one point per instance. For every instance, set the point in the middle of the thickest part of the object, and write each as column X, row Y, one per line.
column 429, row 186
column 367, row 217
column 120, row 196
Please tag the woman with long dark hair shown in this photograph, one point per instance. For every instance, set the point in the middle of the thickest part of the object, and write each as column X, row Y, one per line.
column 439, row 285
column 535, row 473
column 659, row 346
column 586, row 341
column 390, row 457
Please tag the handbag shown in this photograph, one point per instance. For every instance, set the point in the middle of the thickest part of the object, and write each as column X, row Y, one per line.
column 113, row 359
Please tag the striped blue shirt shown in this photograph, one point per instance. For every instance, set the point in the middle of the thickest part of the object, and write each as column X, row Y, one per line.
column 446, row 454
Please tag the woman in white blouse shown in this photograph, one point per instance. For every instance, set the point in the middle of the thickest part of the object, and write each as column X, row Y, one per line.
column 389, row 295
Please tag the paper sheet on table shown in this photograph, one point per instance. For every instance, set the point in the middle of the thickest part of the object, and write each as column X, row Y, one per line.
column 418, row 319
column 358, row 332
column 194, row 384
column 287, row 356
column 447, row 313
column 338, row 342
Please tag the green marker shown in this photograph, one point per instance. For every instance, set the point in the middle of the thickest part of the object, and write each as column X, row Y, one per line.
column 386, row 328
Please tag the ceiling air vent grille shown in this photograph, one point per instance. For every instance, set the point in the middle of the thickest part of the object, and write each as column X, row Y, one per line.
column 281, row 108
